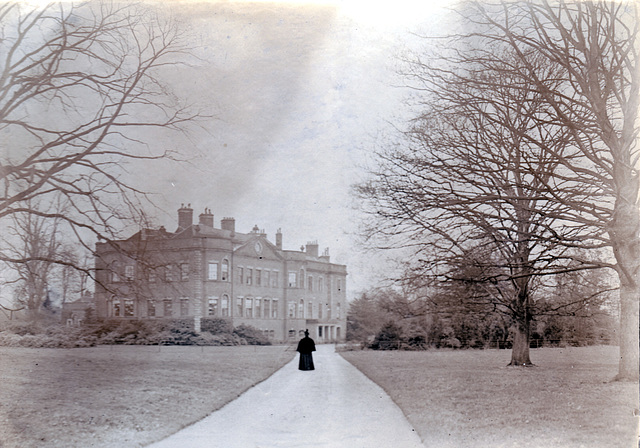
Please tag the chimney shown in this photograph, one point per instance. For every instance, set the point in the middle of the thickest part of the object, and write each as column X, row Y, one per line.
column 279, row 239
column 312, row 248
column 206, row 218
column 228, row 224
column 185, row 216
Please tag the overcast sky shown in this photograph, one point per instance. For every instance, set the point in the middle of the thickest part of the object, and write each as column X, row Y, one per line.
column 301, row 93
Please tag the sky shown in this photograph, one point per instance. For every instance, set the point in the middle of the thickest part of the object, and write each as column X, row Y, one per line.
column 300, row 94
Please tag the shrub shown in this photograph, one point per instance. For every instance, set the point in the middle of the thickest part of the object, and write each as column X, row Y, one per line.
column 251, row 335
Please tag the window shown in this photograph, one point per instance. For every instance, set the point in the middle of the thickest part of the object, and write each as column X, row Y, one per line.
column 129, row 272
column 292, row 280
column 274, row 308
column 241, row 275
column 258, row 308
column 258, row 277
column 328, row 311
column 249, row 276
column 267, row 280
column 302, row 277
column 212, row 273
column 115, row 278
column 310, row 283
column 151, row 308
column 212, row 310
column 239, row 312
column 224, row 306
column 292, row 309
column 274, row 279
column 153, row 276
column 184, row 272
column 168, row 273
column 117, row 311
column 267, row 308
column 184, row 307
column 248, row 307
column 320, row 284
column 128, row 308
column 168, row 308
column 320, row 310
column 301, row 309
column 310, row 310
column 225, row 271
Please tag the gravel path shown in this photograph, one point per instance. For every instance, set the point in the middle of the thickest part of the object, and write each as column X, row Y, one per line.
column 332, row 406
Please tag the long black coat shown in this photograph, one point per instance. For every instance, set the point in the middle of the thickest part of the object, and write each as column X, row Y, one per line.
column 306, row 346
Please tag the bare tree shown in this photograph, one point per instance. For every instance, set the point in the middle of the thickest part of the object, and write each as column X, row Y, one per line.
column 78, row 85
column 595, row 45
column 466, row 186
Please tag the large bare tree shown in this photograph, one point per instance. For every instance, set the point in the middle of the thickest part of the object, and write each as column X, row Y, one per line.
column 79, row 86
column 595, row 44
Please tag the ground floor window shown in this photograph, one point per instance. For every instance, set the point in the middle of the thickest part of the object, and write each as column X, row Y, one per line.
column 168, row 308
column 224, row 306
column 274, row 308
column 151, row 308
column 249, row 307
column 184, row 307
column 258, row 308
column 128, row 308
column 239, row 306
column 213, row 306
column 117, row 311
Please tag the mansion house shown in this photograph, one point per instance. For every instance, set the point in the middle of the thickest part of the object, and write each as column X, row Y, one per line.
column 202, row 271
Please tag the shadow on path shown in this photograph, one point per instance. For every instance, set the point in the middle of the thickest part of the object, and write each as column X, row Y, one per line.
column 332, row 406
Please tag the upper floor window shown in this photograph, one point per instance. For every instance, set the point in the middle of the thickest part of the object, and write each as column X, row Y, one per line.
column 267, row 308
column 274, row 279
column 320, row 284
column 258, row 277
column 310, row 283
column 115, row 278
column 153, row 276
column 292, row 309
column 338, row 313
column 301, row 309
column 117, row 311
column 310, row 310
column 257, row 303
column 129, row 272
column 249, row 276
column 212, row 273
column 293, row 281
column 241, row 275
column 320, row 307
column 225, row 271
column 168, row 273
column 267, row 278
column 184, row 272
column 248, row 307
column 274, row 308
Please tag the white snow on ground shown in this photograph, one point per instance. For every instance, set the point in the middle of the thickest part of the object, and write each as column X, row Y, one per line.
column 332, row 406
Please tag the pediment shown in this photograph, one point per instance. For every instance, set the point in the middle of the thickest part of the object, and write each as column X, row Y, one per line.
column 259, row 247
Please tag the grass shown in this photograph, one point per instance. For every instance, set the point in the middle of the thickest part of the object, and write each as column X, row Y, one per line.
column 124, row 396
column 470, row 397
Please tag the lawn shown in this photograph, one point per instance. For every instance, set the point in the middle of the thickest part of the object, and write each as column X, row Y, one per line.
column 121, row 396
column 470, row 398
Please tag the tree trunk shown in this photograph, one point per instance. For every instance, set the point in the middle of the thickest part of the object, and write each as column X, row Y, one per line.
column 629, row 365
column 520, row 351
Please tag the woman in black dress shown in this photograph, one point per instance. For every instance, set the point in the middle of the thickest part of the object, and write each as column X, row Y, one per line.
column 305, row 347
